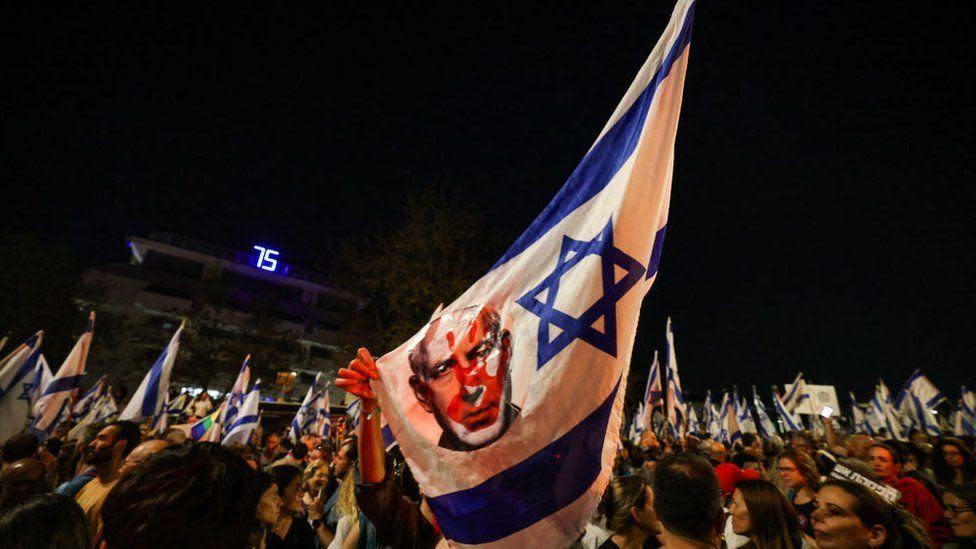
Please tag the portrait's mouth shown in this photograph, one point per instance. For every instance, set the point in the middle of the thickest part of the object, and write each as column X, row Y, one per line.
column 478, row 417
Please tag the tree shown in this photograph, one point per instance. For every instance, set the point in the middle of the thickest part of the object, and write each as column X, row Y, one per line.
column 441, row 247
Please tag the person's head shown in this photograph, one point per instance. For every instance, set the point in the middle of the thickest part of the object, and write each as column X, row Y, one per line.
column 760, row 511
column 802, row 441
column 44, row 520
column 271, row 442
column 752, row 443
column 687, row 496
column 949, row 456
column 628, row 503
column 747, row 460
column 299, row 451
column 716, row 452
column 858, row 446
column 269, row 502
column 113, row 443
column 886, row 462
column 20, row 480
column 163, row 502
column 345, row 456
column 288, row 480
column 461, row 375
column 850, row 516
column 917, row 436
column 316, row 476
column 959, row 502
column 142, row 452
column 19, row 447
column 797, row 470
column 176, row 436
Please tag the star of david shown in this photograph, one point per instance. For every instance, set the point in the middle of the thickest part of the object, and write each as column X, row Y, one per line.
column 571, row 253
column 25, row 395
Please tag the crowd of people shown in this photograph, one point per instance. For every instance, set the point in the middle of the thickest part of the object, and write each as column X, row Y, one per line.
column 121, row 486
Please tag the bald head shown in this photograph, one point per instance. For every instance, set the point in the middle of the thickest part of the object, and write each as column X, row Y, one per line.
column 142, row 453
column 717, row 452
column 20, row 480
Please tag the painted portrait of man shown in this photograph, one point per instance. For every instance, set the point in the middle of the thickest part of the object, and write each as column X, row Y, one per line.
column 460, row 374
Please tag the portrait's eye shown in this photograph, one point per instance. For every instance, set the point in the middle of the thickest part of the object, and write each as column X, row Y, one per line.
column 441, row 368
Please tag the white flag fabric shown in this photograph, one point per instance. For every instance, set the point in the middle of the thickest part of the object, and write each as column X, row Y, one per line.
column 17, row 372
column 54, row 404
column 765, row 426
column 964, row 423
column 307, row 414
column 711, row 418
column 84, row 404
column 790, row 421
column 796, row 394
column 508, row 404
column 653, row 395
column 694, row 426
column 246, row 420
column 921, row 398
column 42, row 377
column 675, row 400
column 858, row 422
column 884, row 412
column 147, row 402
column 236, row 395
column 744, row 416
column 323, row 419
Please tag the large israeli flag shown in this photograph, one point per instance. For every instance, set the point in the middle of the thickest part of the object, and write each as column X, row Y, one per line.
column 149, row 398
column 54, row 404
column 508, row 404
column 17, row 372
column 246, row 419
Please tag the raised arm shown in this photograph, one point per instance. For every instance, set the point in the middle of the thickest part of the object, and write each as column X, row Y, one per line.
column 355, row 379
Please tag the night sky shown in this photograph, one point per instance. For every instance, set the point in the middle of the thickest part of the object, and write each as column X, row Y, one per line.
column 822, row 214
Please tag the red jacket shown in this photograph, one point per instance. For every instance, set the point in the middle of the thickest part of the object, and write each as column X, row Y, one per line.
column 921, row 503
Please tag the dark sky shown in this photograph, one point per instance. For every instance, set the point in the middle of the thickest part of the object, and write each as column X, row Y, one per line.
column 822, row 214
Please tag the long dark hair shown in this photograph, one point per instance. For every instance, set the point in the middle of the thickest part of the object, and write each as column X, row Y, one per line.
column 903, row 529
column 775, row 524
column 45, row 520
column 945, row 474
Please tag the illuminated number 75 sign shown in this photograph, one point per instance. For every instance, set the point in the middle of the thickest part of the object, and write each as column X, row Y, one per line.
column 266, row 259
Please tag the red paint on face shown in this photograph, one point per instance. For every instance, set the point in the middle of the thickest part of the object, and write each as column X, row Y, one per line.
column 472, row 396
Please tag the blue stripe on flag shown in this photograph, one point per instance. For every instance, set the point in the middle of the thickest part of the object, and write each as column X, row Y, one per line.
column 151, row 396
column 62, row 384
column 388, row 439
column 524, row 494
column 606, row 157
column 655, row 261
column 242, row 420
